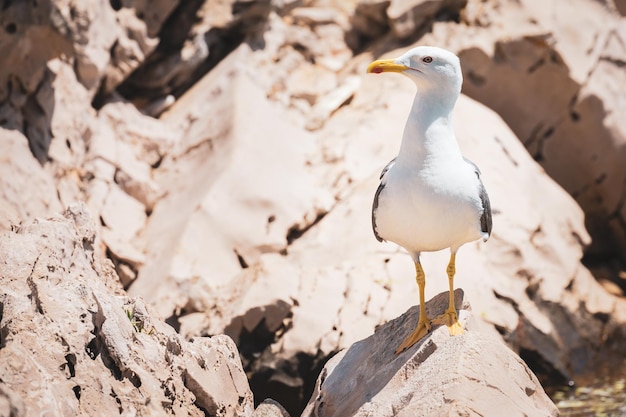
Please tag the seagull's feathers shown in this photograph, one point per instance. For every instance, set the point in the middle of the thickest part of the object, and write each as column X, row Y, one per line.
column 486, row 222
column 430, row 197
column 378, row 191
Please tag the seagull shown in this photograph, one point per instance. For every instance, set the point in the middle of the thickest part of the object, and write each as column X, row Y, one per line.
column 430, row 197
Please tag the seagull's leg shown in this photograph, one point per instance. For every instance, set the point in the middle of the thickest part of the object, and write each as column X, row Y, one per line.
column 423, row 324
column 450, row 318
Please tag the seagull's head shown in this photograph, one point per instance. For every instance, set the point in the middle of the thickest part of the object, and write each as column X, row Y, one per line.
column 428, row 66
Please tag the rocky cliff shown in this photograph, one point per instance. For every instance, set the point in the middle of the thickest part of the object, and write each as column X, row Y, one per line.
column 216, row 162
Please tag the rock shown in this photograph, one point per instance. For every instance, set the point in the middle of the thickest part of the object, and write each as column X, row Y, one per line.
column 559, row 91
column 270, row 408
column 196, row 37
column 106, row 43
column 309, row 82
column 316, row 15
column 123, row 214
column 370, row 19
column 30, row 38
column 330, row 103
column 26, row 189
column 471, row 374
column 63, row 317
column 406, row 17
column 210, row 173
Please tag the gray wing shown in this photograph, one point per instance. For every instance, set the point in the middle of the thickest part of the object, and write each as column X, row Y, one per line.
column 376, row 196
column 386, row 168
column 485, row 219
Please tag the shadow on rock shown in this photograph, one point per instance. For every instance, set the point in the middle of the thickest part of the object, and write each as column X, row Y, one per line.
column 441, row 374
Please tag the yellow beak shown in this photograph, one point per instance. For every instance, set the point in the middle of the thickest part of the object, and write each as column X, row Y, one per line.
column 385, row 65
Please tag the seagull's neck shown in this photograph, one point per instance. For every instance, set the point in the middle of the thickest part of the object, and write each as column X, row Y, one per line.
column 429, row 133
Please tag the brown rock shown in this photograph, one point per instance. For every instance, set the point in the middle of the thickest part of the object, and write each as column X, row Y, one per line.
column 561, row 102
column 26, row 189
column 370, row 18
column 471, row 374
column 406, row 17
column 270, row 408
column 316, row 15
column 196, row 37
column 221, row 167
column 62, row 321
column 106, row 43
column 309, row 82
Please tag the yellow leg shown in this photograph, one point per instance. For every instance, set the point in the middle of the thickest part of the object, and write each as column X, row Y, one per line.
column 423, row 324
column 450, row 318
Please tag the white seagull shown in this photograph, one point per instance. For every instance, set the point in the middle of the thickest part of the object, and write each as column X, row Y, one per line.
column 430, row 197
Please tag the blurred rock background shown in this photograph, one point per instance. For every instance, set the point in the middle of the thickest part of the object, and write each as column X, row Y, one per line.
column 228, row 152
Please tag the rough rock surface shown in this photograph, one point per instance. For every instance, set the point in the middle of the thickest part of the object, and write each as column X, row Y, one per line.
column 270, row 408
column 473, row 374
column 69, row 346
column 19, row 171
column 560, row 103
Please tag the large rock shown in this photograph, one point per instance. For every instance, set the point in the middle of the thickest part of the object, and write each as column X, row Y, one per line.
column 237, row 185
column 72, row 344
column 442, row 375
column 406, row 17
column 26, row 189
column 105, row 40
column 197, row 36
column 554, row 84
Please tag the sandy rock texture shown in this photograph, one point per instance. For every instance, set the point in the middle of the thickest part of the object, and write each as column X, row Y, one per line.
column 561, row 103
column 228, row 152
column 71, row 342
column 473, row 374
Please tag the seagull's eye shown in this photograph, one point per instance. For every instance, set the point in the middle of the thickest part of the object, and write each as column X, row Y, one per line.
column 427, row 59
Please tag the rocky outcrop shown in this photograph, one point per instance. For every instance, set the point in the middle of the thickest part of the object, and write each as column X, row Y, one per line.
column 559, row 103
column 72, row 344
column 26, row 190
column 443, row 375
column 270, row 408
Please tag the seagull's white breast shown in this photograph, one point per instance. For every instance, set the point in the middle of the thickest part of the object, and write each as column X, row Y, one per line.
column 430, row 208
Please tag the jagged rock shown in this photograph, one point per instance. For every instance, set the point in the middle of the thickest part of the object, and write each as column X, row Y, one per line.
column 194, row 39
column 561, row 102
column 209, row 175
column 370, row 18
column 471, row 374
column 26, row 189
column 63, row 318
column 105, row 42
column 330, row 103
column 406, row 17
column 309, row 82
column 270, row 408
column 316, row 15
